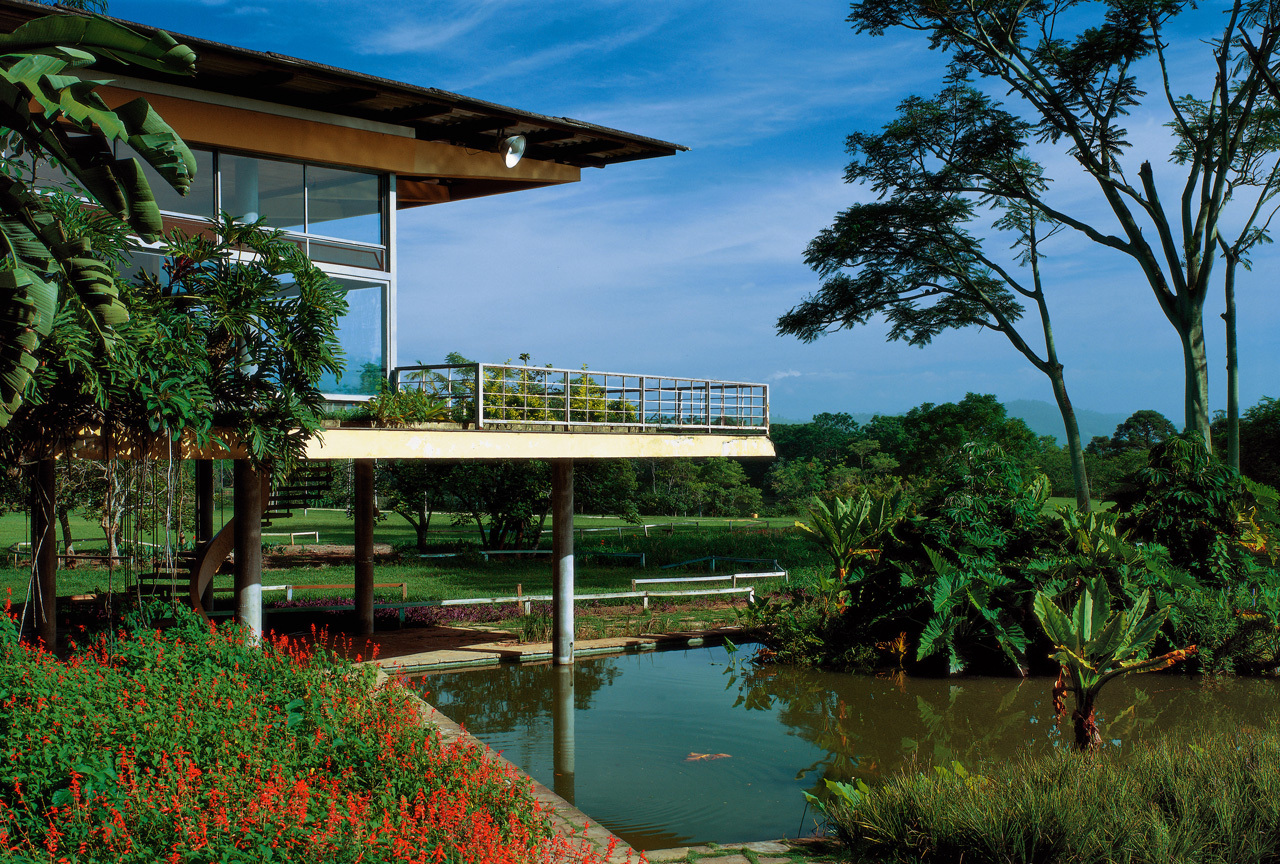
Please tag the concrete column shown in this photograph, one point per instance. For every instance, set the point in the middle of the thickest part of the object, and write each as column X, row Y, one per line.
column 44, row 551
column 248, row 546
column 204, row 517
column 364, row 517
column 562, row 732
column 562, row 561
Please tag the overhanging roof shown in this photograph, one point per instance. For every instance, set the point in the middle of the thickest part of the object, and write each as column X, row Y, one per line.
column 433, row 115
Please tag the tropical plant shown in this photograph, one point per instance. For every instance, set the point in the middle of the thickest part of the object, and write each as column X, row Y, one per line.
column 403, row 407
column 1193, row 504
column 966, row 605
column 845, row 530
column 1095, row 646
column 50, row 117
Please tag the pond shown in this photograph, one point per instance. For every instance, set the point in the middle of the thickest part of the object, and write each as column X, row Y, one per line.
column 673, row 748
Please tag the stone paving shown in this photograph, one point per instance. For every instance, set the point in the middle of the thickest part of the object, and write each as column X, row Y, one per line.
column 398, row 653
column 769, row 852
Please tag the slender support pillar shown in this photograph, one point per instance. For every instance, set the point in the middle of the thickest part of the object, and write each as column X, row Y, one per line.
column 44, row 551
column 562, row 732
column 364, row 517
column 248, row 546
column 204, row 517
column 562, row 558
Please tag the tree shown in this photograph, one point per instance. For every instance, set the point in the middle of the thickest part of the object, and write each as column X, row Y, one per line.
column 794, row 482
column 936, row 433
column 1143, row 430
column 1260, row 442
column 911, row 256
column 224, row 342
column 412, row 489
column 708, row 487
column 606, row 487
column 1074, row 69
column 49, row 116
column 507, row 499
column 824, row 438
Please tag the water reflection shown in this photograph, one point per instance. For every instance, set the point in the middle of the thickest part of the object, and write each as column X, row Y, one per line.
column 683, row 747
column 562, row 716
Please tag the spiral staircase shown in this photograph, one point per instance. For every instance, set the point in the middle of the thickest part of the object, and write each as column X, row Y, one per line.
column 194, row 570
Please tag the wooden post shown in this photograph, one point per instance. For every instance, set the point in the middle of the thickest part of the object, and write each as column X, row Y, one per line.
column 248, row 547
column 364, row 513
column 44, row 551
column 562, row 561
column 204, row 517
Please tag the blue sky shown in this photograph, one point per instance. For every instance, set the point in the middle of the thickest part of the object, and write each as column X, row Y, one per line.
column 682, row 265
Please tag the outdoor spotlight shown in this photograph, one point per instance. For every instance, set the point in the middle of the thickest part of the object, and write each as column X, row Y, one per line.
column 512, row 149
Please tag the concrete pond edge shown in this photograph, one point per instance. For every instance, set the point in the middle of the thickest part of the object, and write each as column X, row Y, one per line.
column 568, row 819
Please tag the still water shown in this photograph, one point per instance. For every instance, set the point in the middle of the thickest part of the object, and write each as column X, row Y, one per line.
column 672, row 748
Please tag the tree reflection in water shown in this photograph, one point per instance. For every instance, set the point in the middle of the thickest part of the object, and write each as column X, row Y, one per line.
column 622, row 753
column 868, row 727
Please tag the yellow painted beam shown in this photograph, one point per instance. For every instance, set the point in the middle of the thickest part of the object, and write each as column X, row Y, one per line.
column 450, row 444
column 458, row 444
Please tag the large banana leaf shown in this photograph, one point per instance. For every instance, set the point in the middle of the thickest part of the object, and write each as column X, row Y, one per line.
column 50, row 116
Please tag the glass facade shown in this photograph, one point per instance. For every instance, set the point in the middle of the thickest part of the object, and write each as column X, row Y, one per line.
column 344, row 205
column 337, row 216
column 360, row 332
column 263, row 189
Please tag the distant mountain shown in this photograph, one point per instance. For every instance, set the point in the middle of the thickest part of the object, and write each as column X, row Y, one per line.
column 1045, row 419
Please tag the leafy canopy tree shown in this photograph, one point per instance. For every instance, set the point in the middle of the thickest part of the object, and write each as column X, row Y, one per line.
column 50, row 116
column 1074, row 69
column 1143, row 430
column 935, row 434
column 1260, row 439
column 912, row 257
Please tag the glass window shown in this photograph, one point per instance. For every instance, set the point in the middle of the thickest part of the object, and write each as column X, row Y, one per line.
column 197, row 202
column 330, row 252
column 360, row 332
column 343, row 204
column 263, row 188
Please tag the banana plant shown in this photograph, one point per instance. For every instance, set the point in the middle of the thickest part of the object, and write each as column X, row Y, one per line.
column 1094, row 646
column 49, row 115
column 846, row 529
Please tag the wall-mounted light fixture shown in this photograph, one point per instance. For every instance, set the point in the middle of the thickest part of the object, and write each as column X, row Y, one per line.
column 512, row 149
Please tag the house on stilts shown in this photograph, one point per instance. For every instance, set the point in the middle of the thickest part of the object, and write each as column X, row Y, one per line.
column 331, row 157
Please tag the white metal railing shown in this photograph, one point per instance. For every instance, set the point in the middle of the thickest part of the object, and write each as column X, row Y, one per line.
column 495, row 395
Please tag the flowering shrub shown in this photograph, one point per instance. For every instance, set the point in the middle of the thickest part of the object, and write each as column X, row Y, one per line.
column 191, row 746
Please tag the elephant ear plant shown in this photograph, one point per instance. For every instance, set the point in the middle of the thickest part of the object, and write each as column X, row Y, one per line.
column 1094, row 646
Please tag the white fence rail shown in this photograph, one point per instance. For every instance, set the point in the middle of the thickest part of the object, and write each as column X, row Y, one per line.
column 496, row 395
column 731, row 578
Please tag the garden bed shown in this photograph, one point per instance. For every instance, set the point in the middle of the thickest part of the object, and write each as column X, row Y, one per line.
column 191, row 745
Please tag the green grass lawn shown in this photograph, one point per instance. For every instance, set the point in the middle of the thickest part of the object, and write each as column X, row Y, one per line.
column 335, row 528
column 471, row 576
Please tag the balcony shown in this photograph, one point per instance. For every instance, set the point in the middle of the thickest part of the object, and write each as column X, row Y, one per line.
column 492, row 396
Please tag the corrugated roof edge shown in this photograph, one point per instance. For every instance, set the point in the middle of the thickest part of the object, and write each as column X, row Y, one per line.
column 466, row 103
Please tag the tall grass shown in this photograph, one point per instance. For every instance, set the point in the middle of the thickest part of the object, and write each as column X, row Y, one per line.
column 1208, row 799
